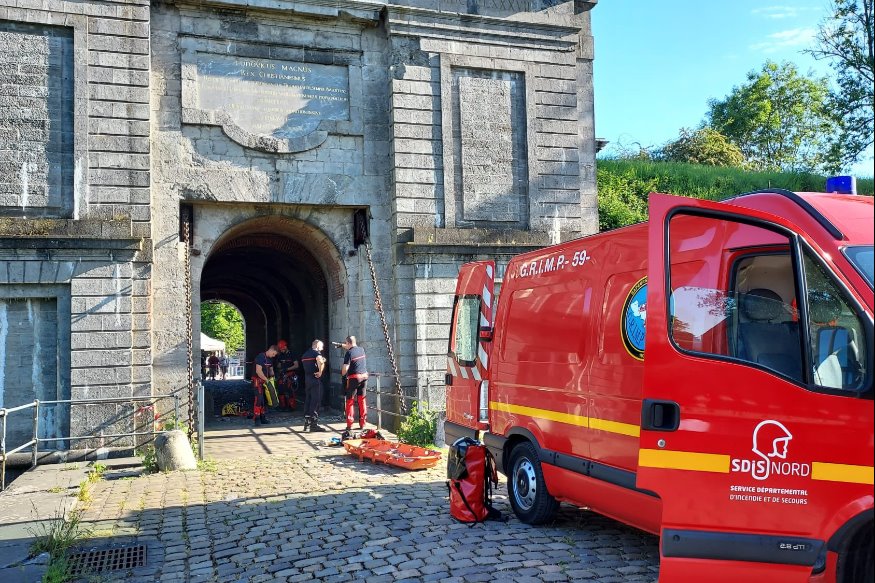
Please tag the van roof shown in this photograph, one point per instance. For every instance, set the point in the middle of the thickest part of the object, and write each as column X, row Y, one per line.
column 843, row 216
column 854, row 215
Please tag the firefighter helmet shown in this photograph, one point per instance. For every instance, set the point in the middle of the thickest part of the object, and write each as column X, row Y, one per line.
column 770, row 439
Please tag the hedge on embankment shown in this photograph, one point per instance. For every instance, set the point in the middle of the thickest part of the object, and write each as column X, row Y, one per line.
column 624, row 185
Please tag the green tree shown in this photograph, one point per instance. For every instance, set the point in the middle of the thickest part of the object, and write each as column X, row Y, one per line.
column 845, row 39
column 223, row 322
column 703, row 146
column 778, row 118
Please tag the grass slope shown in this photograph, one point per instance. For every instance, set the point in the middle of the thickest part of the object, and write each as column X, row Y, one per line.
column 624, row 185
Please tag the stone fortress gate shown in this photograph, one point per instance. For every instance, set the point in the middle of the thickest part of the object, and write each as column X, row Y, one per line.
column 450, row 130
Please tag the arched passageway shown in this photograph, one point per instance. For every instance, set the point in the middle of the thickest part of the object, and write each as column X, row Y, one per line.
column 266, row 269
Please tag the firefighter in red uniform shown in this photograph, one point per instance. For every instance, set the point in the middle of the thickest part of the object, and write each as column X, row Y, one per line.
column 285, row 367
column 263, row 372
column 355, row 371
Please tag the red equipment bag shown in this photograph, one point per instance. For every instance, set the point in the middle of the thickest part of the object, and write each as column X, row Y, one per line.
column 472, row 475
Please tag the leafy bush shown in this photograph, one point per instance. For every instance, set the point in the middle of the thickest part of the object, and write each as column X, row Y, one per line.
column 419, row 427
column 703, row 146
column 150, row 459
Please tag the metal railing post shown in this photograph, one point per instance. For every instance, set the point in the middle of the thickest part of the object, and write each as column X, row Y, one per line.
column 200, row 419
column 3, row 451
column 175, row 410
column 35, row 432
column 379, row 406
column 428, row 394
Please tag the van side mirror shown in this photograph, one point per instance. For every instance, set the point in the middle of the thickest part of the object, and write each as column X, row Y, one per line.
column 486, row 333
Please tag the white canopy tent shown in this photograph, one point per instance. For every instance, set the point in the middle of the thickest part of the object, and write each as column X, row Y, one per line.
column 211, row 344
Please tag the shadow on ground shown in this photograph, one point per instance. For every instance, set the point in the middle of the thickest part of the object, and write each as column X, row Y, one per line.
column 334, row 518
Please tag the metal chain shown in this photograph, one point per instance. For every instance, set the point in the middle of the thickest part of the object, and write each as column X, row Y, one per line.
column 189, row 328
column 378, row 304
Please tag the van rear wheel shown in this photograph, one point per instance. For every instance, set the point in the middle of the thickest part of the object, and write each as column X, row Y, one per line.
column 526, row 489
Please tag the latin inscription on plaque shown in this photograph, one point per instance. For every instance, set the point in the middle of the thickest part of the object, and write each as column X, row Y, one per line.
column 283, row 99
column 491, row 182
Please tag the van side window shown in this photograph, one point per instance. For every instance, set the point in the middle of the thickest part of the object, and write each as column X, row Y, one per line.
column 733, row 293
column 467, row 326
column 837, row 341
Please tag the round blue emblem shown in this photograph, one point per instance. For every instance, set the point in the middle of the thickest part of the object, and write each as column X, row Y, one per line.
column 634, row 325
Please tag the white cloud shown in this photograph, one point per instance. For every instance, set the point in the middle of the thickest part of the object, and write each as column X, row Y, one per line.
column 785, row 39
column 779, row 12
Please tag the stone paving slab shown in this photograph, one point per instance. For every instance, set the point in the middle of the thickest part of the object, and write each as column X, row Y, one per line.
column 316, row 513
column 279, row 505
column 27, row 506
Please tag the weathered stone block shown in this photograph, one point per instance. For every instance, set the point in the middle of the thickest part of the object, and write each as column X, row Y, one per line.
column 173, row 452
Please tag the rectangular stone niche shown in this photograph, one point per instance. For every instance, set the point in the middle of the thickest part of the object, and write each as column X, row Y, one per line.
column 36, row 120
column 490, row 153
column 29, row 367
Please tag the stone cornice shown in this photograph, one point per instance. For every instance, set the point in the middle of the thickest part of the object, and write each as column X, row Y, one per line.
column 367, row 13
column 60, row 229
column 497, row 242
column 526, row 29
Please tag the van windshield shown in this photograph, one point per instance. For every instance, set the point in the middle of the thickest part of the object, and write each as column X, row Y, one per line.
column 862, row 258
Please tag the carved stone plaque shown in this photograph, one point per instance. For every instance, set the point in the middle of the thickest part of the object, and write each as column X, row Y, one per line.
column 283, row 99
column 487, row 148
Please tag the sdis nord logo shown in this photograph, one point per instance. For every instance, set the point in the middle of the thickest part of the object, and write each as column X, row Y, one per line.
column 771, row 440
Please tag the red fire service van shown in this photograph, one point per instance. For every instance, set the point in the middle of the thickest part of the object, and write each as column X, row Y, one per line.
column 705, row 376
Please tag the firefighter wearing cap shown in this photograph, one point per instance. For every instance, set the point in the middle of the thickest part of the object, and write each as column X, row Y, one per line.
column 285, row 367
column 355, row 371
column 313, row 364
column 263, row 372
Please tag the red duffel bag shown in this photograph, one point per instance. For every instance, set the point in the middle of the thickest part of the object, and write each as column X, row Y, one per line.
column 471, row 475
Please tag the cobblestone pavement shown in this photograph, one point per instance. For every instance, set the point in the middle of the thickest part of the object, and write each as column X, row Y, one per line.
column 317, row 513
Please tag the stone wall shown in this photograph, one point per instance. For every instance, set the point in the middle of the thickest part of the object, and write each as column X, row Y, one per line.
column 235, row 176
column 463, row 128
column 36, row 118
column 493, row 142
column 75, row 206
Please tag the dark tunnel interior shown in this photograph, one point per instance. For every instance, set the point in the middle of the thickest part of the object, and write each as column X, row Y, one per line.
column 277, row 285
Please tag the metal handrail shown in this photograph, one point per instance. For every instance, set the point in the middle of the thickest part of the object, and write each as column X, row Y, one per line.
column 35, row 440
column 378, row 394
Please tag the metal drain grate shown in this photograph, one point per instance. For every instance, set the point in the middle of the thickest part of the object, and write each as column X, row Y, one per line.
column 99, row 561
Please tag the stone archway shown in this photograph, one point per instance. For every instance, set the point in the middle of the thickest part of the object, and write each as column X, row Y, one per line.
column 283, row 274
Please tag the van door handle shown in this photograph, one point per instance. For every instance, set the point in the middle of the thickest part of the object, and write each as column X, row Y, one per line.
column 448, row 379
column 659, row 415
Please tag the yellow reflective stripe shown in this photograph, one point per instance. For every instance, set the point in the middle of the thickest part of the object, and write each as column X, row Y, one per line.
column 684, row 460
column 842, row 473
column 578, row 420
column 615, row 427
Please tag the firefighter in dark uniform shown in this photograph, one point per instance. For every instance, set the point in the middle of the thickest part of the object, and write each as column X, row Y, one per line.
column 285, row 366
column 355, row 371
column 314, row 365
column 263, row 372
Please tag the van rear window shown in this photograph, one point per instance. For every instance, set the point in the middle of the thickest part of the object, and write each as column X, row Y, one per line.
column 467, row 327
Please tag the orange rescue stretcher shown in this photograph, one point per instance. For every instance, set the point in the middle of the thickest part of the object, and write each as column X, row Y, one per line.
column 401, row 455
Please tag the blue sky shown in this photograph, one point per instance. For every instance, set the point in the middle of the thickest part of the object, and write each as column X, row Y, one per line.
column 658, row 63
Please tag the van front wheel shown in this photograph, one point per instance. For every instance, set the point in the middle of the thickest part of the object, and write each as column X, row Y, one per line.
column 526, row 489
